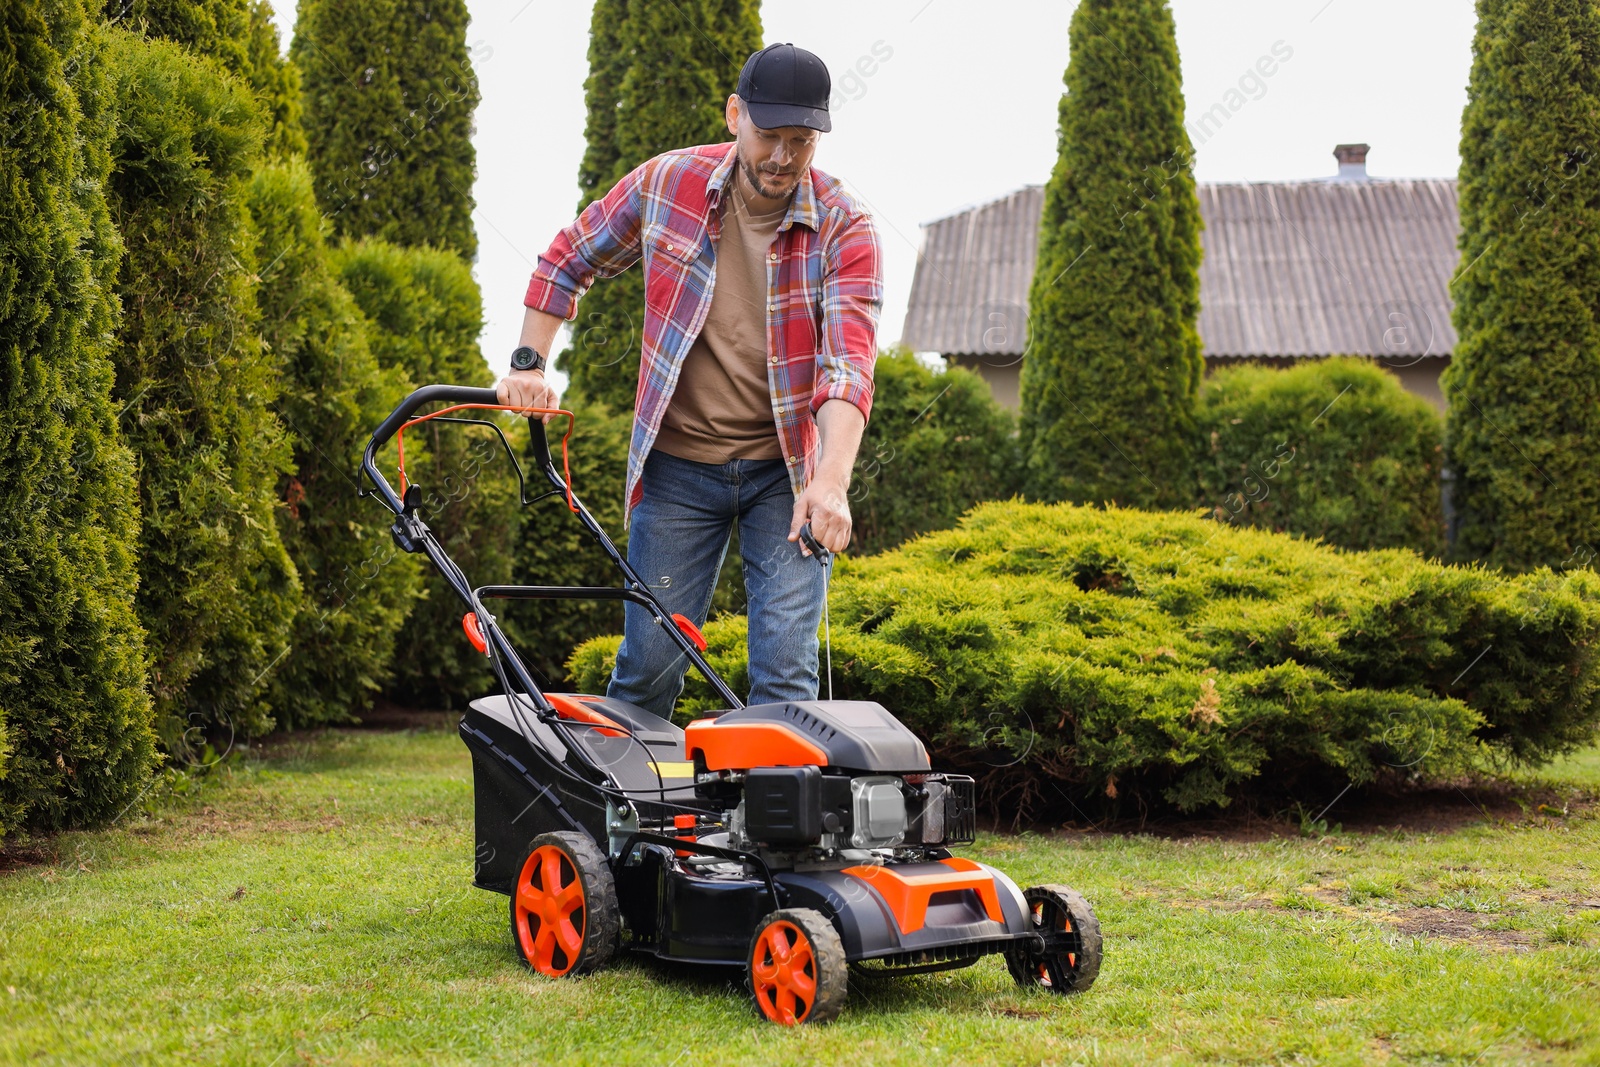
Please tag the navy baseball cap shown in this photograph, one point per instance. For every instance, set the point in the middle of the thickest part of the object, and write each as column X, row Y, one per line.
column 786, row 86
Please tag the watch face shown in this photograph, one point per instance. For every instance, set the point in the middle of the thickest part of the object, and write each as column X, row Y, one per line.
column 526, row 358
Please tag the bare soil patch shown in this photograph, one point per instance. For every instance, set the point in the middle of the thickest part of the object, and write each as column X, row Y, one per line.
column 1457, row 926
column 385, row 715
column 15, row 857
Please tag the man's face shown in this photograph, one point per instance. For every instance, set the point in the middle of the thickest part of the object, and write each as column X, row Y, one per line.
column 772, row 160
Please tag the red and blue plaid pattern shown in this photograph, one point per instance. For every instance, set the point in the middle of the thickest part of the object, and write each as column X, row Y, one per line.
column 824, row 290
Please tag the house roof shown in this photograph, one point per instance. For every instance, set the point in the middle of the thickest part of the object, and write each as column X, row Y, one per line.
column 1308, row 268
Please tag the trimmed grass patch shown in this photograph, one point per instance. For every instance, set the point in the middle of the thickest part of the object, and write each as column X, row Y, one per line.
column 315, row 905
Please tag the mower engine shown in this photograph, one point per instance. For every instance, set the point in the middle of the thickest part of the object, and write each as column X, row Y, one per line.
column 826, row 785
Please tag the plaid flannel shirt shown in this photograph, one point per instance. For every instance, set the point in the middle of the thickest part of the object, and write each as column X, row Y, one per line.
column 824, row 290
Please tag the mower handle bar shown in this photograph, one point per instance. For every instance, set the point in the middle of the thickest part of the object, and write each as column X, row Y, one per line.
column 454, row 394
column 636, row 588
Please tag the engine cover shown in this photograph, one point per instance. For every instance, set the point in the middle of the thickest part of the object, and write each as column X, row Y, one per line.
column 854, row 735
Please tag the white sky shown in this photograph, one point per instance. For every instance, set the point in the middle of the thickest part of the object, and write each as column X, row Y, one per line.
column 963, row 110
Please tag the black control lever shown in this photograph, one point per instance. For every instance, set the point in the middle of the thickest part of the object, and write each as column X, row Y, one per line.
column 809, row 539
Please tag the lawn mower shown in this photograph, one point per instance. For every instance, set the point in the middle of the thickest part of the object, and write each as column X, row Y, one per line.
column 799, row 841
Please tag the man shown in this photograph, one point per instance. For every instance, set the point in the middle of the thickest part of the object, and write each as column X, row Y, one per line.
column 763, row 283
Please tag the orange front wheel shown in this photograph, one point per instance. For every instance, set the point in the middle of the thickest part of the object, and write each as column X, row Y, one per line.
column 797, row 970
column 564, row 915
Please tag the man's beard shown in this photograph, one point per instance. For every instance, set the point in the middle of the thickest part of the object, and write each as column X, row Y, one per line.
column 753, row 176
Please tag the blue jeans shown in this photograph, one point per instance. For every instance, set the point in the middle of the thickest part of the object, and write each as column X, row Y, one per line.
column 677, row 540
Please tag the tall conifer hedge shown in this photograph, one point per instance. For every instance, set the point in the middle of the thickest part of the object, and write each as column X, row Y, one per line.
column 216, row 28
column 217, row 589
column 389, row 97
column 75, row 720
column 1524, row 381
column 241, row 36
column 276, row 82
column 1113, row 367
column 358, row 586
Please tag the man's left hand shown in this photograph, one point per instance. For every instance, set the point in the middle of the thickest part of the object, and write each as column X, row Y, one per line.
column 825, row 506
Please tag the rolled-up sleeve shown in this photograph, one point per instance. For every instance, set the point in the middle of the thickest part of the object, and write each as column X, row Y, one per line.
column 852, row 298
column 602, row 242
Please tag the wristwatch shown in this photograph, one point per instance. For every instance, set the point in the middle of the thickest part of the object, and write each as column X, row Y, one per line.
column 526, row 358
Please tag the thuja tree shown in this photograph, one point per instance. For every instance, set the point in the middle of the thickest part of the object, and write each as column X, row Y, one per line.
column 423, row 304
column 1524, row 382
column 217, row 590
column 659, row 77
column 75, row 720
column 241, row 36
column 216, row 28
column 389, row 97
column 276, row 82
column 358, row 586
column 1113, row 363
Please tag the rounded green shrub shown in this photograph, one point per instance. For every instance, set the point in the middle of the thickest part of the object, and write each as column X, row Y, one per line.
column 1334, row 449
column 425, row 315
column 1116, row 651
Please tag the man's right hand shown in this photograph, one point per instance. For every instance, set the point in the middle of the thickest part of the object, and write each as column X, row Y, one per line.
column 524, row 389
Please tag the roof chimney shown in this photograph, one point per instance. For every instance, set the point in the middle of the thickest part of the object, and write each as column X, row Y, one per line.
column 1352, row 162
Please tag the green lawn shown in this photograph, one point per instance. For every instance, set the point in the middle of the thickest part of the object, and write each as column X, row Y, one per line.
column 314, row 906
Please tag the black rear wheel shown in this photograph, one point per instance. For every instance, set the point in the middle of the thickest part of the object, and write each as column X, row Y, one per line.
column 1067, row 957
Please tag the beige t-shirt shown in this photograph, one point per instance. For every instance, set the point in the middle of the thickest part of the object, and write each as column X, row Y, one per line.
column 721, row 408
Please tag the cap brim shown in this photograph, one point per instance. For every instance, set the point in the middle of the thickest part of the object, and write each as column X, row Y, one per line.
column 774, row 116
